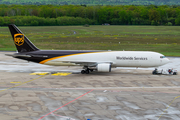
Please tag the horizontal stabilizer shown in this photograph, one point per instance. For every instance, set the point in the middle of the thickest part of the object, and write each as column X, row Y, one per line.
column 13, row 55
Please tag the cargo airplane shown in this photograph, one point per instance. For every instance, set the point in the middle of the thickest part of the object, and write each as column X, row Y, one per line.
column 101, row 61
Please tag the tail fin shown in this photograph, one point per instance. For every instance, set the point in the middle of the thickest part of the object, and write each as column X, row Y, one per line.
column 23, row 44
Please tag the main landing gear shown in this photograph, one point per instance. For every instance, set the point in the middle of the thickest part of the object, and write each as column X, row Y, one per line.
column 86, row 71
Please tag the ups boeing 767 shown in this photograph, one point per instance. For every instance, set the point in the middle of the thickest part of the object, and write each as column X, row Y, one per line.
column 102, row 61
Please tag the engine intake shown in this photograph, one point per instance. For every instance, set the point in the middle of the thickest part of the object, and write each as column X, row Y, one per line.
column 104, row 67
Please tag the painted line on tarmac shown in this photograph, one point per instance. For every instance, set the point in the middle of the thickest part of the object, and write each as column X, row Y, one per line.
column 168, row 106
column 52, row 74
column 125, row 88
column 105, row 89
column 15, row 82
column 65, row 105
column 115, row 88
column 60, row 74
column 40, row 73
column 21, row 83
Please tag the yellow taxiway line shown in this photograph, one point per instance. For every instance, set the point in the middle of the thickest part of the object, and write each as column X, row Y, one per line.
column 168, row 106
column 22, row 83
column 52, row 74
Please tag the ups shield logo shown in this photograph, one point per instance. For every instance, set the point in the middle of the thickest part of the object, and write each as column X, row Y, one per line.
column 19, row 39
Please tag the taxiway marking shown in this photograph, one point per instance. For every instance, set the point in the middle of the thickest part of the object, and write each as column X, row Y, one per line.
column 22, row 83
column 53, row 74
column 60, row 74
column 40, row 73
column 168, row 106
column 104, row 88
column 15, row 82
column 65, row 105
column 108, row 89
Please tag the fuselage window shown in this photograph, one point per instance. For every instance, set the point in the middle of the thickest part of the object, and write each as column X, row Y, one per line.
column 162, row 56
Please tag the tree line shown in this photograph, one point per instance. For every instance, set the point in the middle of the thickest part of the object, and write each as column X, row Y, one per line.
column 41, row 21
column 93, row 15
column 91, row 2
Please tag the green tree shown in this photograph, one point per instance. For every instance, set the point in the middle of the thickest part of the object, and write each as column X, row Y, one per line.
column 123, row 17
column 1, row 21
column 154, row 16
column 34, row 23
column 177, row 21
column 102, row 13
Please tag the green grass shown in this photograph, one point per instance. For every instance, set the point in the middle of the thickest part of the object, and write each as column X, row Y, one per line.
column 163, row 39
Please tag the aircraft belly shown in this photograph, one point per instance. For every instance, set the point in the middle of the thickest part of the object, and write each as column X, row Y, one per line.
column 58, row 63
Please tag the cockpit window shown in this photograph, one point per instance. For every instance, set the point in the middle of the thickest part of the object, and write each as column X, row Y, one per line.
column 162, row 56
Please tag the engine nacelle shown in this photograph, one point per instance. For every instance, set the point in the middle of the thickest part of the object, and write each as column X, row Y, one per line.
column 104, row 67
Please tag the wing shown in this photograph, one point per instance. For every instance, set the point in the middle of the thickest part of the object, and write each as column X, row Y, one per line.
column 88, row 63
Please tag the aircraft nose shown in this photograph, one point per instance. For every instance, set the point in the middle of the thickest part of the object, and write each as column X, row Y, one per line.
column 166, row 60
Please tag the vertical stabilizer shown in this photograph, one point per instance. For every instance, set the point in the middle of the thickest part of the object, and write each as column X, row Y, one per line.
column 23, row 44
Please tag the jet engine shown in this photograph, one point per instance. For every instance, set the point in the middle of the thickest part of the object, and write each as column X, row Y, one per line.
column 104, row 67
